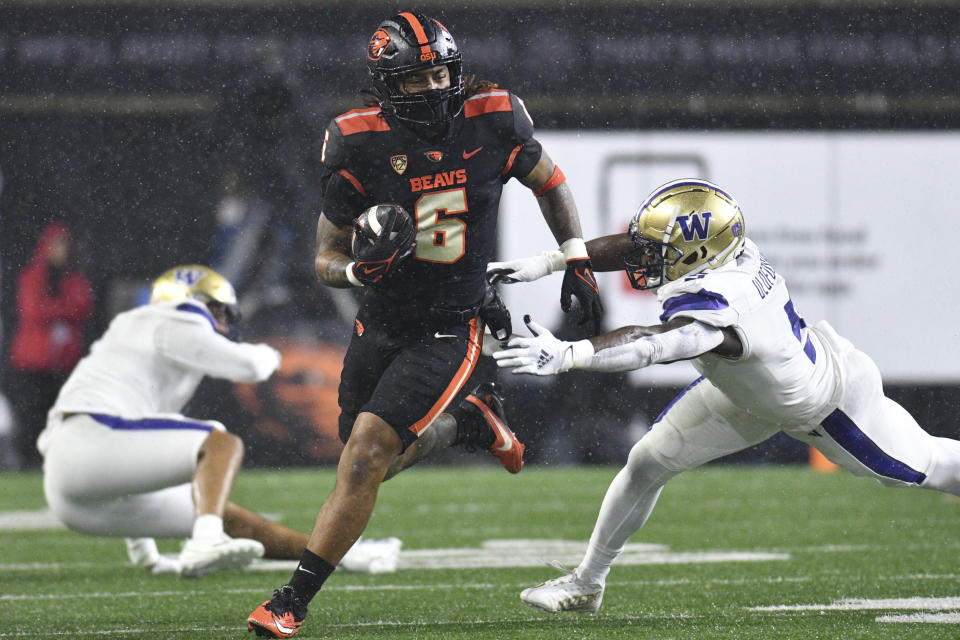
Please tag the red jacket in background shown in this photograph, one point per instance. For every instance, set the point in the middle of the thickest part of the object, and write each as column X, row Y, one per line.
column 48, row 336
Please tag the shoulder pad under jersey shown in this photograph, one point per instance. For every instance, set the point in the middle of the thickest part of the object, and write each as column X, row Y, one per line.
column 336, row 137
column 699, row 298
column 513, row 119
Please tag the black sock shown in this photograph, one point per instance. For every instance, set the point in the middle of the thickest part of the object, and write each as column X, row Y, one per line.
column 310, row 575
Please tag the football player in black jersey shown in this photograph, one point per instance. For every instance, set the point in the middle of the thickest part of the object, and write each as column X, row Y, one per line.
column 441, row 148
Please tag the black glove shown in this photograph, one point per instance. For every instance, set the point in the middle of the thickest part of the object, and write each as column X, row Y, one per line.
column 376, row 258
column 496, row 315
column 579, row 282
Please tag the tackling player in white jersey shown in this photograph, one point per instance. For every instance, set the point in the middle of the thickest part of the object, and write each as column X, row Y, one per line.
column 120, row 460
column 763, row 370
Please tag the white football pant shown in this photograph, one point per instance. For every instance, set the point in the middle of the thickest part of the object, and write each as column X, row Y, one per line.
column 130, row 479
column 864, row 432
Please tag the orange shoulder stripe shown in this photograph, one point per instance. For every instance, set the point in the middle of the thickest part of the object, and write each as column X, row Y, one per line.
column 459, row 379
column 353, row 180
column 513, row 156
column 488, row 102
column 361, row 120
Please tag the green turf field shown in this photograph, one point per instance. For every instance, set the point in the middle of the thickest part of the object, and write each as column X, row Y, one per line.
column 742, row 552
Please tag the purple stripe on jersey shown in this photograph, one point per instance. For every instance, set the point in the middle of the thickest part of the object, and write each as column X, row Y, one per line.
column 192, row 308
column 810, row 350
column 148, row 424
column 702, row 300
column 846, row 433
column 679, row 395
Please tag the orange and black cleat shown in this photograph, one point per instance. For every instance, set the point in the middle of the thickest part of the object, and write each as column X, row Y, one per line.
column 278, row 617
column 485, row 399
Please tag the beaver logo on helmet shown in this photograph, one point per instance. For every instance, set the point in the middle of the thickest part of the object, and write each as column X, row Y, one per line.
column 379, row 42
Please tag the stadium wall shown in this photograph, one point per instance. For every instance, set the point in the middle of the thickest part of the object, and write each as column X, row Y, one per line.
column 834, row 124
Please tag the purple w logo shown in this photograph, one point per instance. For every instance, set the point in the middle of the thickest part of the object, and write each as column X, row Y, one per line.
column 189, row 276
column 698, row 227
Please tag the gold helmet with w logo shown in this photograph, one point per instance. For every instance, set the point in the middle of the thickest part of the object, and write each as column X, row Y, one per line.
column 196, row 282
column 683, row 227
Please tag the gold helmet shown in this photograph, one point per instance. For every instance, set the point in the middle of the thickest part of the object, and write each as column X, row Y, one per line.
column 196, row 282
column 684, row 227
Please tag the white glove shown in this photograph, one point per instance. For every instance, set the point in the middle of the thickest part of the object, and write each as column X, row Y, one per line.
column 543, row 354
column 268, row 360
column 526, row 269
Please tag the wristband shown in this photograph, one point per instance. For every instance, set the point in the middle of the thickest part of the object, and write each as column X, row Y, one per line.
column 576, row 355
column 574, row 249
column 582, row 354
column 555, row 260
column 351, row 277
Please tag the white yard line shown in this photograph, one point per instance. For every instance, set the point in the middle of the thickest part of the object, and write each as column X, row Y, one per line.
column 855, row 604
column 947, row 609
column 951, row 617
column 29, row 520
column 459, row 586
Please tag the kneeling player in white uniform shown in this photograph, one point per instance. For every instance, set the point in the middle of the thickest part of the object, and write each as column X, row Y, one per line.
column 763, row 370
column 119, row 460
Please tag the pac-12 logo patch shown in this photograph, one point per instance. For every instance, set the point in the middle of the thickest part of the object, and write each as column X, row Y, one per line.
column 399, row 164
column 379, row 42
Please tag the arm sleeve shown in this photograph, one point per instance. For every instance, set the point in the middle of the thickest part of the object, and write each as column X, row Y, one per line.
column 195, row 345
column 682, row 343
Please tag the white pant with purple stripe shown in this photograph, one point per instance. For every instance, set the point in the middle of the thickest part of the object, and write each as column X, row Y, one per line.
column 861, row 430
column 109, row 476
column 864, row 432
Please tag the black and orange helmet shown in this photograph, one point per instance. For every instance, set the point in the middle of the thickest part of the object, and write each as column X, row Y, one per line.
column 410, row 42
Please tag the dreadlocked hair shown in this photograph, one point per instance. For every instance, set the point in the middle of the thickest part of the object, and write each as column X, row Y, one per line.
column 472, row 87
column 371, row 98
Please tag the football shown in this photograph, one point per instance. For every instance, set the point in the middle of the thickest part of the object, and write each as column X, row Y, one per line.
column 369, row 226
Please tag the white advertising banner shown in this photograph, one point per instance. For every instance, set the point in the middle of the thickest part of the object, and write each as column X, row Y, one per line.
column 861, row 225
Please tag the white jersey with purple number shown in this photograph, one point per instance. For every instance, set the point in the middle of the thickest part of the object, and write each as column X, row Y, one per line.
column 118, row 455
column 786, row 375
column 809, row 382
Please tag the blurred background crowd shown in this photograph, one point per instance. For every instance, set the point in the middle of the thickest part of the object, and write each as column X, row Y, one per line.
column 140, row 135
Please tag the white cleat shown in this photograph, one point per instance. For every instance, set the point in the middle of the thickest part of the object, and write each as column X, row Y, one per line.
column 372, row 556
column 566, row 593
column 143, row 552
column 165, row 564
column 200, row 556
